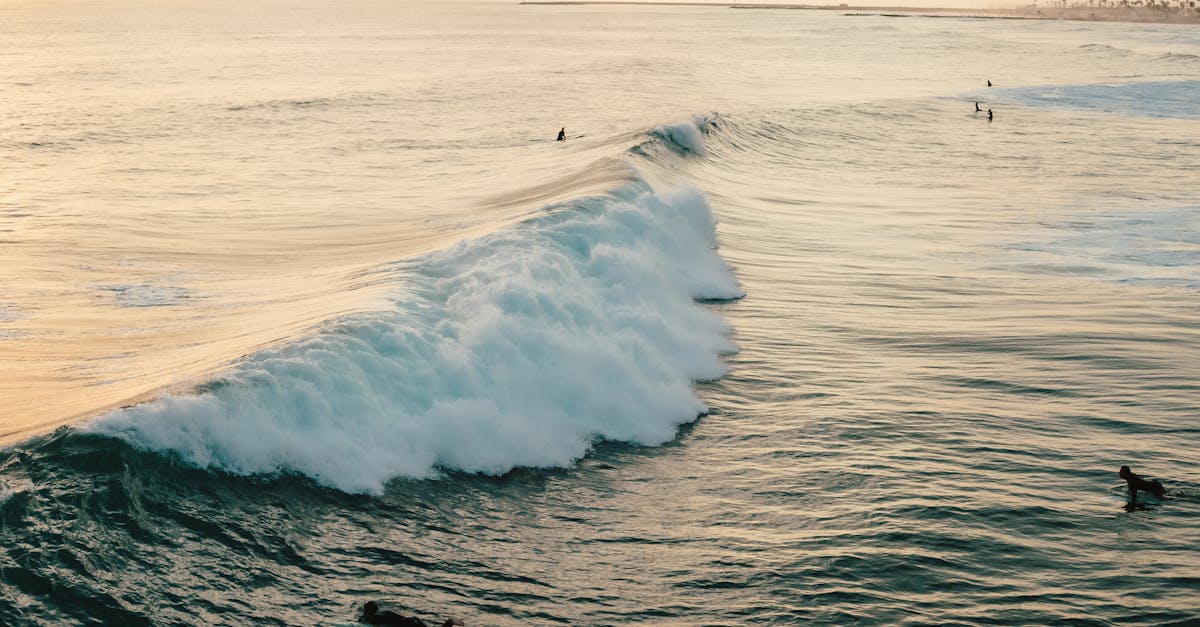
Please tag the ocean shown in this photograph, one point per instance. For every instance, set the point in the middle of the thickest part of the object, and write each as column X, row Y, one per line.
column 303, row 306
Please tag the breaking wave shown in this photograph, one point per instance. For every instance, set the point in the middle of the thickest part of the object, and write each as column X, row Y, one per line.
column 518, row 349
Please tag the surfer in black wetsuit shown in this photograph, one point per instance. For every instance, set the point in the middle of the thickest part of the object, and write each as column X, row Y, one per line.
column 977, row 109
column 989, row 83
column 562, row 134
column 372, row 616
column 1136, row 482
column 989, row 115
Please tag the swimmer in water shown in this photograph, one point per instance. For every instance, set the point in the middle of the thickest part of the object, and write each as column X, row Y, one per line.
column 1136, row 482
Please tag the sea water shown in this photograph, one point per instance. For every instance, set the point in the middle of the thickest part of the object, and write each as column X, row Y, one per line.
column 783, row 333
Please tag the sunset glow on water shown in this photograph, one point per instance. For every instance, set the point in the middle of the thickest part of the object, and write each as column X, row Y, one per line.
column 304, row 306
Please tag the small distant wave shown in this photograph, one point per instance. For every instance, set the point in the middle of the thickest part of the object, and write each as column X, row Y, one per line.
column 1104, row 49
column 1176, row 57
column 147, row 295
column 519, row 349
column 315, row 102
column 1112, row 52
column 68, row 142
column 1007, row 387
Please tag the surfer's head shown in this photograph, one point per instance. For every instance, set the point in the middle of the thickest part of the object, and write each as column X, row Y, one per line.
column 1125, row 472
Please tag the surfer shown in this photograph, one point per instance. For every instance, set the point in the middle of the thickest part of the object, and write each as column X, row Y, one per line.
column 989, row 83
column 1136, row 482
column 977, row 109
column 562, row 134
column 989, row 115
column 372, row 616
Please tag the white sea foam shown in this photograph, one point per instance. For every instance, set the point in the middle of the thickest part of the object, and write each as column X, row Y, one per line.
column 518, row 349
column 147, row 295
column 9, row 313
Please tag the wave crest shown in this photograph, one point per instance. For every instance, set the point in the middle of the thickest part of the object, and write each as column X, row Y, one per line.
column 685, row 137
column 518, row 349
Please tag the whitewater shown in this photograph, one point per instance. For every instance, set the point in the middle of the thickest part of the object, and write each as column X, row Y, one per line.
column 502, row 352
column 303, row 306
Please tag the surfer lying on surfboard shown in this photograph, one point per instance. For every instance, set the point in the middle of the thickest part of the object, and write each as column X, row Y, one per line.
column 1136, row 482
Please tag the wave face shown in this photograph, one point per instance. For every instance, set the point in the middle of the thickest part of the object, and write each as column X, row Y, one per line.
column 684, row 137
column 518, row 349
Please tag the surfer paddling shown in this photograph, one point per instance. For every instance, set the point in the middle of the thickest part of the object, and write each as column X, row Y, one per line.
column 1136, row 482
column 371, row 615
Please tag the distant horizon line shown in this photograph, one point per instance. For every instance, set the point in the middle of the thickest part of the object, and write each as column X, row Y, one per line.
column 757, row 5
column 1090, row 11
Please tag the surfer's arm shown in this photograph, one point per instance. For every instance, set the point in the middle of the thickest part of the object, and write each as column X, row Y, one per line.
column 1132, row 493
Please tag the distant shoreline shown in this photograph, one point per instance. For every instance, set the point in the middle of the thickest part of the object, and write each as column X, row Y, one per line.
column 1032, row 12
